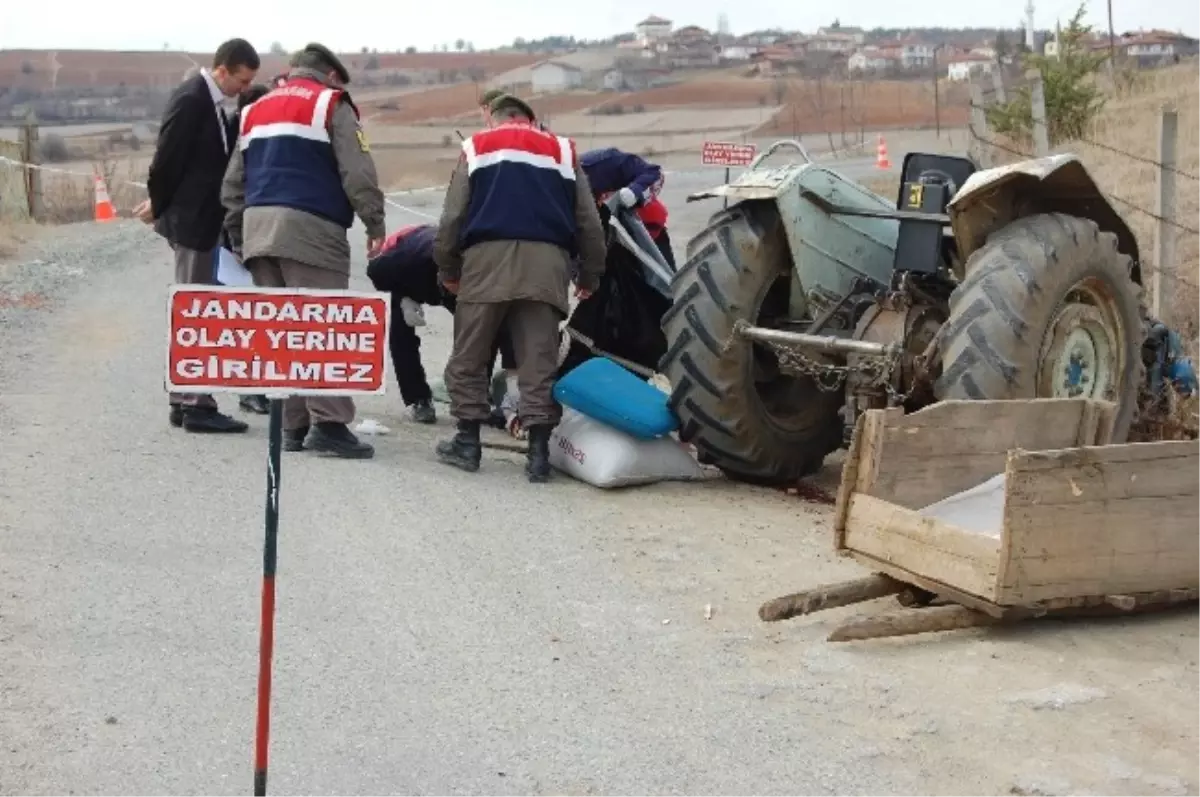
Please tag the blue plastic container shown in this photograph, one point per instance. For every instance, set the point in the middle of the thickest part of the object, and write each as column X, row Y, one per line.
column 603, row 390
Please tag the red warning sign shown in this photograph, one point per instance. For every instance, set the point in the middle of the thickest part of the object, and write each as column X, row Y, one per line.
column 276, row 340
column 726, row 153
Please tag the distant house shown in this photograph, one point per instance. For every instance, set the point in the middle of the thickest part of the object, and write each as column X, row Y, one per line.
column 856, row 35
column 692, row 35
column 835, row 42
column 737, row 52
column 914, row 54
column 779, row 60
column 697, row 57
column 871, row 59
column 652, row 29
column 631, row 79
column 551, row 76
column 761, row 38
column 964, row 67
column 1158, row 46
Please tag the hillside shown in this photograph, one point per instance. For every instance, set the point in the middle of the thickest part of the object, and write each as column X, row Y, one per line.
column 44, row 70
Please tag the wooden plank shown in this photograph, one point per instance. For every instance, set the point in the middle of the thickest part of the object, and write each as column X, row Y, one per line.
column 846, row 486
column 952, row 446
column 964, row 560
column 938, row 588
column 1104, row 430
column 1070, row 531
column 1043, row 460
column 915, row 621
column 1100, row 521
column 1092, row 480
column 1089, row 422
column 830, row 596
column 874, row 423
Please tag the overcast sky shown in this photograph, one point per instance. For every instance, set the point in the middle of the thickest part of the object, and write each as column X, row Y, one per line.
column 395, row 24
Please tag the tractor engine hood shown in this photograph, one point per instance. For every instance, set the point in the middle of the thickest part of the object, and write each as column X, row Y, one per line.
column 755, row 184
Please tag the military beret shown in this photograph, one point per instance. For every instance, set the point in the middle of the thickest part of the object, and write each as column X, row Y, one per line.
column 327, row 55
column 511, row 101
column 489, row 96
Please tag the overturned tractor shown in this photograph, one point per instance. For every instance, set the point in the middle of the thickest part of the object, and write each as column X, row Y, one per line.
column 810, row 299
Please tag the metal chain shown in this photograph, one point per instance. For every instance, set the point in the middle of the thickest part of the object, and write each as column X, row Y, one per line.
column 829, row 378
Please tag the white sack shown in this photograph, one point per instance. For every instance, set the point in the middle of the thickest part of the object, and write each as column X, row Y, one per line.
column 603, row 456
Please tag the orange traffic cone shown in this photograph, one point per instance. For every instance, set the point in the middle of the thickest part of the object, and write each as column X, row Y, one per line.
column 881, row 156
column 104, row 205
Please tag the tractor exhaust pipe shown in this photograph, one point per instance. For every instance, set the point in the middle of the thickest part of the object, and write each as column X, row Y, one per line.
column 800, row 340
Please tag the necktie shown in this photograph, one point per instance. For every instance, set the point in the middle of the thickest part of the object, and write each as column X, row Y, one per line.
column 224, row 127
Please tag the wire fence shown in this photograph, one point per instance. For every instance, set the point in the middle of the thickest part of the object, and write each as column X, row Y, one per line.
column 1013, row 148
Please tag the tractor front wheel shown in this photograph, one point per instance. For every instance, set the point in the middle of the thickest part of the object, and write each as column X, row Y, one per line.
column 1047, row 309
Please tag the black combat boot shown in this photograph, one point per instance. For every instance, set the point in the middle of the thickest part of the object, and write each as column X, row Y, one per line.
column 423, row 412
column 537, row 462
column 336, row 440
column 255, row 404
column 293, row 439
column 462, row 451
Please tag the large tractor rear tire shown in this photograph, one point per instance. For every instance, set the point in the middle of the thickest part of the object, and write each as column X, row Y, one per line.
column 753, row 421
column 1047, row 309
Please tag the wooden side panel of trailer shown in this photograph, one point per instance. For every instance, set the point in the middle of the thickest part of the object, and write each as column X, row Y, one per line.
column 1100, row 521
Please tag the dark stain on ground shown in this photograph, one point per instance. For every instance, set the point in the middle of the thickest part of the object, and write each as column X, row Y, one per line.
column 810, row 493
column 26, row 301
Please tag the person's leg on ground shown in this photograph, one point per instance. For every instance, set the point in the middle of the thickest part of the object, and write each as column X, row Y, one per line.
column 475, row 326
column 535, row 336
column 329, row 417
column 197, row 412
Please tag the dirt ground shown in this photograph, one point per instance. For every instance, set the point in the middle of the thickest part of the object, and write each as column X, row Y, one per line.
column 798, row 105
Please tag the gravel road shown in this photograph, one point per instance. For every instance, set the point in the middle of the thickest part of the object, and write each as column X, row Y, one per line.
column 440, row 632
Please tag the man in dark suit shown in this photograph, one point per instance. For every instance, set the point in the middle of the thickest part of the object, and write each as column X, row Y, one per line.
column 185, row 192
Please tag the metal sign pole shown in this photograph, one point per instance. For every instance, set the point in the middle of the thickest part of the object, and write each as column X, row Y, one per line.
column 266, row 639
column 726, row 205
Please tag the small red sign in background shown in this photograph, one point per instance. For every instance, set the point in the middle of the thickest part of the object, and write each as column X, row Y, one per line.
column 727, row 153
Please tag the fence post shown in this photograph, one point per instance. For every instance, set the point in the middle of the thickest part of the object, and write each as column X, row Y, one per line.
column 980, row 145
column 31, row 156
column 998, row 83
column 1037, row 99
column 1164, row 210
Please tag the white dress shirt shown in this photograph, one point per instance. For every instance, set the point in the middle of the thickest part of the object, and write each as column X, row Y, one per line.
column 218, row 98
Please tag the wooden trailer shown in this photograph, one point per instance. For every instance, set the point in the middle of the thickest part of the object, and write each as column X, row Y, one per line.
column 980, row 512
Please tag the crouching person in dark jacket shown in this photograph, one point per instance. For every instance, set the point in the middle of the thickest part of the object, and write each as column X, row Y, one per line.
column 405, row 268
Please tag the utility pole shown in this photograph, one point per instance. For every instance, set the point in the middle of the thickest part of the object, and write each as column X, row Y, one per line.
column 1112, row 48
column 937, row 101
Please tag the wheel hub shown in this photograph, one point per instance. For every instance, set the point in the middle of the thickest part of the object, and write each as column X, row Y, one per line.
column 1081, row 357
